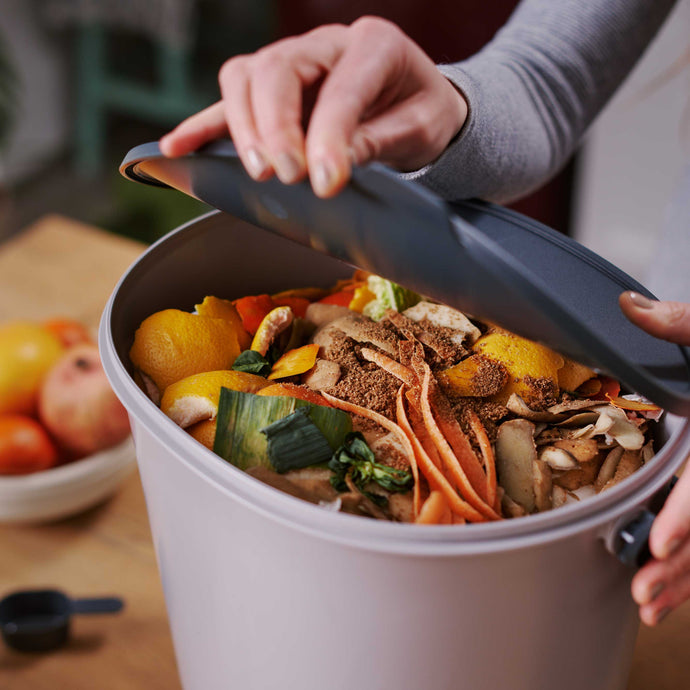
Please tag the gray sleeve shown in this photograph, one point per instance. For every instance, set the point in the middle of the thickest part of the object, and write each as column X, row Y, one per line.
column 534, row 90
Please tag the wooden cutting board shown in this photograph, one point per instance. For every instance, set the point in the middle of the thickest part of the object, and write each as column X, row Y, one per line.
column 61, row 267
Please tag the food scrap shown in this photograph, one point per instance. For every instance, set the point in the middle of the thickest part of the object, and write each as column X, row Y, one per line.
column 373, row 400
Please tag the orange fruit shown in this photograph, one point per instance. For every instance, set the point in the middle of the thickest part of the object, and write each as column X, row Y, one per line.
column 217, row 308
column 68, row 331
column 195, row 397
column 204, row 432
column 24, row 445
column 27, row 352
column 522, row 359
column 172, row 344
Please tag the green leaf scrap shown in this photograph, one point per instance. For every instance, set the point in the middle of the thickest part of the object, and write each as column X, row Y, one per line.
column 243, row 418
column 355, row 457
column 252, row 362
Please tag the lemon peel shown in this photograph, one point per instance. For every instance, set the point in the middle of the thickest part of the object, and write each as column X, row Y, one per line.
column 524, row 360
column 195, row 398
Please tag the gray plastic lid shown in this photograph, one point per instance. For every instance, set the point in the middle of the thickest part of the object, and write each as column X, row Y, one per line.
column 481, row 258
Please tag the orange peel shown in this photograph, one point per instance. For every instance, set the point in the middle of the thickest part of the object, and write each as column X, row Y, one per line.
column 295, row 362
column 204, row 432
column 217, row 308
column 573, row 374
column 173, row 344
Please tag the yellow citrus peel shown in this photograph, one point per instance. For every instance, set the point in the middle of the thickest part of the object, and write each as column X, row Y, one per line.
column 195, row 398
column 272, row 325
column 523, row 359
column 573, row 374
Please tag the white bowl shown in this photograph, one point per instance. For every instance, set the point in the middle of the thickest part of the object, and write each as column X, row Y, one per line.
column 68, row 489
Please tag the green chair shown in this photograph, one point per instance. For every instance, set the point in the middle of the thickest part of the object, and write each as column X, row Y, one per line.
column 100, row 89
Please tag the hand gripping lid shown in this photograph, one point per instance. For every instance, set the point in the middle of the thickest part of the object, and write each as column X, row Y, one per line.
column 481, row 258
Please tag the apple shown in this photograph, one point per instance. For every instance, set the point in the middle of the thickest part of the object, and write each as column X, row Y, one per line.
column 77, row 405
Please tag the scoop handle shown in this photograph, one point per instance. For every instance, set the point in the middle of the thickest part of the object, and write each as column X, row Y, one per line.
column 97, row 605
column 631, row 543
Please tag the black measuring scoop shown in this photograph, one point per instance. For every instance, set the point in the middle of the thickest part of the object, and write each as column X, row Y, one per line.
column 39, row 620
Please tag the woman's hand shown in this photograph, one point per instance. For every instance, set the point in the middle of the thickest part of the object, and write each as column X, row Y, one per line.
column 664, row 583
column 318, row 103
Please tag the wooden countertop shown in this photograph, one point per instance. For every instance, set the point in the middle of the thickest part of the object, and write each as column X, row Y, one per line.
column 60, row 267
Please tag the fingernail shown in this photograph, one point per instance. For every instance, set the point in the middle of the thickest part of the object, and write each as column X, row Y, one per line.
column 672, row 546
column 287, row 168
column 641, row 301
column 256, row 163
column 662, row 614
column 322, row 177
column 655, row 591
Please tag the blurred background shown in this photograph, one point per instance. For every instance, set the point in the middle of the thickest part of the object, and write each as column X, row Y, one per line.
column 83, row 81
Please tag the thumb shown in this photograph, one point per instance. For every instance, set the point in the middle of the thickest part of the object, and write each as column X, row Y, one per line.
column 672, row 526
column 666, row 320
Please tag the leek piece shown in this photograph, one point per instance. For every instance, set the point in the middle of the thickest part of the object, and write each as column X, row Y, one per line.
column 242, row 417
column 295, row 442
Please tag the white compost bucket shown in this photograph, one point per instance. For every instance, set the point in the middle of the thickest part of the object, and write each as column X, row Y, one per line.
column 266, row 592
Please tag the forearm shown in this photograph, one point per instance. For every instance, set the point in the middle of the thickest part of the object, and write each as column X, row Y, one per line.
column 535, row 88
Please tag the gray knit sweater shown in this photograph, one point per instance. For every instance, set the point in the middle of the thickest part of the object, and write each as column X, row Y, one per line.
column 532, row 93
